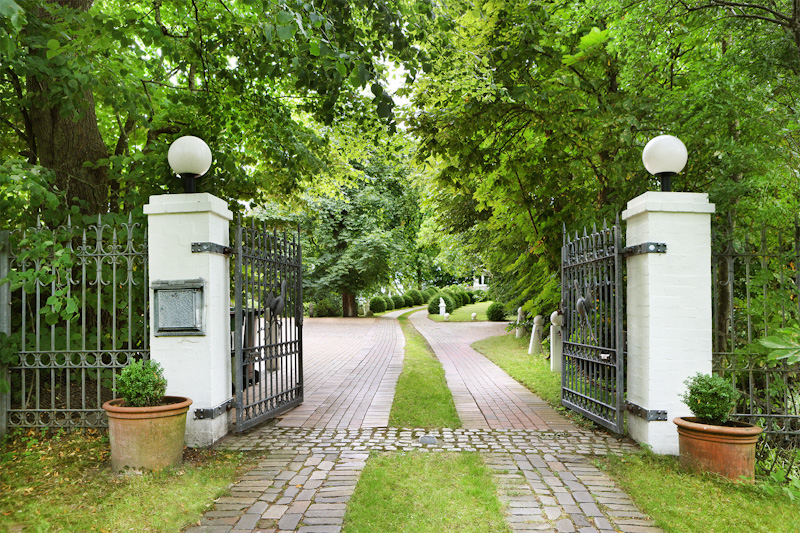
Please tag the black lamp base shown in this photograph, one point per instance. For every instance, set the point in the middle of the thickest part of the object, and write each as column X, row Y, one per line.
column 189, row 183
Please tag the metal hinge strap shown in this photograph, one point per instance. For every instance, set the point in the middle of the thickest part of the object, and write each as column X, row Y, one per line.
column 209, row 413
column 210, row 247
column 649, row 415
column 645, row 248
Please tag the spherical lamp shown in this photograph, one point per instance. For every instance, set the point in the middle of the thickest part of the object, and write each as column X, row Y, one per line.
column 664, row 156
column 190, row 158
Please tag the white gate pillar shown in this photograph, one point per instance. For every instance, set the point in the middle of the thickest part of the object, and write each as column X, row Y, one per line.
column 668, row 308
column 193, row 348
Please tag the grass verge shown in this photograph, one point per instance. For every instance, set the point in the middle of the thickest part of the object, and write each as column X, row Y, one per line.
column 464, row 314
column 63, row 482
column 680, row 501
column 425, row 493
column 422, row 398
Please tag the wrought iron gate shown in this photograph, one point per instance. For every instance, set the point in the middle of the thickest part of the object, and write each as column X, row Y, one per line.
column 592, row 380
column 268, row 324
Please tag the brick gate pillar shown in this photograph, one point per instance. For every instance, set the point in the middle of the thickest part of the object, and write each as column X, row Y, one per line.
column 668, row 309
column 190, row 306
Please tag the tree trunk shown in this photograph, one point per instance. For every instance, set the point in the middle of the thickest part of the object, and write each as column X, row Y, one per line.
column 349, row 307
column 65, row 143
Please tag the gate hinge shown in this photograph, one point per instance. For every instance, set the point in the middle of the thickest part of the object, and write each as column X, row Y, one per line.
column 645, row 248
column 641, row 412
column 210, row 247
column 209, row 413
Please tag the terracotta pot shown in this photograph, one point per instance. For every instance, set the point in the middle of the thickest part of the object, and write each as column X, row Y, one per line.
column 727, row 450
column 147, row 437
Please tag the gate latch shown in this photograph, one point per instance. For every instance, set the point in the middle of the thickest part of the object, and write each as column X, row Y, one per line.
column 649, row 415
column 210, row 413
column 645, row 248
column 210, row 247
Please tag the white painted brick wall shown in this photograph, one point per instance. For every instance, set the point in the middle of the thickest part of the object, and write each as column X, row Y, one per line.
column 668, row 308
column 198, row 367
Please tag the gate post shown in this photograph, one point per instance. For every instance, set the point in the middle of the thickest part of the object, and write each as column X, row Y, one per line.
column 669, row 309
column 194, row 349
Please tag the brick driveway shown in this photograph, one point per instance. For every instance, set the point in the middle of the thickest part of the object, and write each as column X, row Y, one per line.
column 315, row 454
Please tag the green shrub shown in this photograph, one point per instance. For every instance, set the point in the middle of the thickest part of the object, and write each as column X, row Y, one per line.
column 399, row 301
column 433, row 304
column 496, row 312
column 428, row 293
column 417, row 297
column 142, row 384
column 456, row 299
column 710, row 398
column 478, row 295
column 389, row 303
column 461, row 293
column 377, row 304
column 409, row 301
column 330, row 305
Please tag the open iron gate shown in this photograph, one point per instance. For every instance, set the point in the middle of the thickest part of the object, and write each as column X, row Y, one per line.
column 267, row 324
column 592, row 380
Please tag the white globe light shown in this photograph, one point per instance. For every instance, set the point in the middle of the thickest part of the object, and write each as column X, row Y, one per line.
column 665, row 153
column 189, row 155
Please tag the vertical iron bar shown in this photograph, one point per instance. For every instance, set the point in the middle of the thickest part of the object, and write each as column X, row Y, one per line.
column 237, row 320
column 5, row 324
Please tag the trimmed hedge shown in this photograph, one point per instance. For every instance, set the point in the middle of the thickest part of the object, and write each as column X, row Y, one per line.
column 428, row 293
column 409, row 301
column 417, row 297
column 399, row 301
column 496, row 312
column 433, row 304
column 456, row 299
column 377, row 304
column 389, row 303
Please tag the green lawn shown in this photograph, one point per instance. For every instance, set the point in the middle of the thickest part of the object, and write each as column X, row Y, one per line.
column 64, row 483
column 425, row 493
column 464, row 314
column 680, row 501
column 422, row 398
column 677, row 500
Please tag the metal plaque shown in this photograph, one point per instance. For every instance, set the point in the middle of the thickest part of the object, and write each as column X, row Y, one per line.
column 178, row 307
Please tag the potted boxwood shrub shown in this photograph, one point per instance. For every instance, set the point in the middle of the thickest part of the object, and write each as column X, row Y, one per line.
column 709, row 440
column 146, row 428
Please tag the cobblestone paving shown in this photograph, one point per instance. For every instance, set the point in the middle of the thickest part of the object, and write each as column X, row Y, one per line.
column 545, row 478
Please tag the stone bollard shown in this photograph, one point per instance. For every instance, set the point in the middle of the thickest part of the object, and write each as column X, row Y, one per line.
column 442, row 306
column 520, row 328
column 474, row 316
column 556, row 321
column 446, row 317
column 535, row 346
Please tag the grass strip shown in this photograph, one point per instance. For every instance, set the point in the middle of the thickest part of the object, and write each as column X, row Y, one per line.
column 425, row 493
column 680, row 501
column 64, row 483
column 422, row 398
column 464, row 314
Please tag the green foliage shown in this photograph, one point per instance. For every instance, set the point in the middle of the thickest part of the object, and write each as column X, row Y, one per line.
column 478, row 295
column 142, row 384
column 389, row 303
column 784, row 344
column 710, row 398
column 428, row 293
column 433, row 303
column 496, row 312
column 416, row 297
column 453, row 297
column 399, row 301
column 377, row 304
column 330, row 305
column 408, row 300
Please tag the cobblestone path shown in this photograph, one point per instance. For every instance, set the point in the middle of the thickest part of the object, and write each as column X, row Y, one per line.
column 543, row 470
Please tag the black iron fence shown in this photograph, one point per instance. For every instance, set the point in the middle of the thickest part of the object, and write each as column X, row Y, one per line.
column 74, row 308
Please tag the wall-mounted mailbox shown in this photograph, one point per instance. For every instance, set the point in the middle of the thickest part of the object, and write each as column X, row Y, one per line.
column 178, row 307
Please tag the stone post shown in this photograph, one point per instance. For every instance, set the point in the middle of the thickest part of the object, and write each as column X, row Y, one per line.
column 442, row 306
column 198, row 364
column 556, row 321
column 535, row 346
column 520, row 330
column 669, row 308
